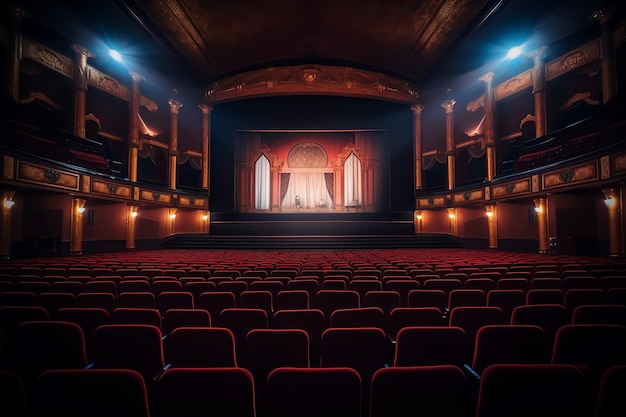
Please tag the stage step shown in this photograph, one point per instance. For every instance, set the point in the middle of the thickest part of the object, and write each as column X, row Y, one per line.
column 331, row 242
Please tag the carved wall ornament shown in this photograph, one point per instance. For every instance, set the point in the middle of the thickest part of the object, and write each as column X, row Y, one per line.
column 109, row 84
column 156, row 196
column 112, row 188
column 509, row 188
column 38, row 95
column 574, row 59
column 86, row 183
column 476, row 104
column 51, row 176
column 467, row 195
column 309, row 75
column 584, row 97
column 567, row 176
column 192, row 201
column 148, row 104
column 8, row 167
column 431, row 201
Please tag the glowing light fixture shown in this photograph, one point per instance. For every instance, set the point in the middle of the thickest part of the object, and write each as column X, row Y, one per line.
column 609, row 202
column 81, row 210
column 9, row 203
column 420, row 217
column 538, row 209
column 489, row 213
column 205, row 217
column 115, row 55
column 451, row 215
column 514, row 52
column 172, row 216
column 133, row 214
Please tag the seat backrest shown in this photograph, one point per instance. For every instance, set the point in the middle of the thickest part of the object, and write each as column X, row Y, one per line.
column 14, row 401
column 128, row 346
column 470, row 319
column 506, row 300
column 206, row 392
column 418, row 390
column 611, row 401
column 45, row 345
column 103, row 300
column 358, row 317
column 311, row 321
column 600, row 314
column 532, row 390
column 414, row 316
column 314, row 392
column 184, row 317
column 550, row 317
column 596, row 346
column 200, row 347
column 466, row 297
column 428, row 298
column 174, row 299
column 95, row 392
column 291, row 300
column 148, row 316
column 431, row 345
column 545, row 296
column 510, row 344
column 240, row 321
column 12, row 316
column 257, row 299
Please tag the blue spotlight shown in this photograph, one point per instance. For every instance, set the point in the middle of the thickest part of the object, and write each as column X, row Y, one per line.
column 514, row 52
column 115, row 55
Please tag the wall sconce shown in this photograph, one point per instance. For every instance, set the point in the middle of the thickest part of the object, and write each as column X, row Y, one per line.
column 133, row 214
column 489, row 213
column 173, row 216
column 609, row 202
column 451, row 215
column 420, row 217
column 538, row 209
column 81, row 210
column 9, row 203
column 205, row 217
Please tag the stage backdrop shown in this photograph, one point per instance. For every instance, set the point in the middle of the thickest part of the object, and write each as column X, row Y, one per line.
column 311, row 171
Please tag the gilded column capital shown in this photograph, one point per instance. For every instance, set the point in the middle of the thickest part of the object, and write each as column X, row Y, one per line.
column 206, row 109
column 488, row 77
column 538, row 54
column 17, row 13
column 417, row 109
column 174, row 105
column 136, row 77
column 449, row 105
column 80, row 50
column 603, row 15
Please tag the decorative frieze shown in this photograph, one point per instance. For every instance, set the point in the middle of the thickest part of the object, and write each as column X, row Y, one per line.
column 514, row 85
column 511, row 188
column 619, row 163
column 8, row 167
column 107, row 83
column 431, row 202
column 47, row 57
column 155, row 196
column 571, row 175
column 468, row 196
column 48, row 177
column 193, row 202
column 111, row 189
column 574, row 59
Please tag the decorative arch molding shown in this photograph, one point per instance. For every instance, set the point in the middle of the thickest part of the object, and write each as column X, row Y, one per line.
column 275, row 163
column 345, row 153
column 312, row 80
column 307, row 155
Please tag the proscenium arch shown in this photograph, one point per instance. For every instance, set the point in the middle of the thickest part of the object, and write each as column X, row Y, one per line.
column 312, row 80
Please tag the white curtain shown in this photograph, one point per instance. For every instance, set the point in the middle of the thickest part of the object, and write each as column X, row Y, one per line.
column 352, row 181
column 262, row 184
column 310, row 187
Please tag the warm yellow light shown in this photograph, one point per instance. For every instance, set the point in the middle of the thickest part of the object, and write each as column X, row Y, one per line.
column 9, row 203
column 205, row 217
column 538, row 209
column 451, row 215
column 420, row 217
column 81, row 210
column 172, row 216
column 609, row 202
column 489, row 213
column 133, row 214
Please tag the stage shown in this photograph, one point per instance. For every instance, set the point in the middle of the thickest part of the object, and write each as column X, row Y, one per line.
column 310, row 230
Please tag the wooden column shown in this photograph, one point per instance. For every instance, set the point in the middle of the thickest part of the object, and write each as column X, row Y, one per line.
column 274, row 187
column 170, row 221
column 174, row 107
column 417, row 143
column 454, row 225
column 80, row 88
column 489, row 125
column 131, row 226
column 541, row 208
column 609, row 68
column 5, row 234
column 76, row 243
column 539, row 91
column 206, row 144
column 492, row 224
column 448, row 105
column 12, row 64
column 206, row 220
column 133, row 134
column 418, row 221
column 338, row 203
column 613, row 202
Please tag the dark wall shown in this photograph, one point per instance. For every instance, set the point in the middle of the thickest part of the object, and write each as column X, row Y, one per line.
column 312, row 112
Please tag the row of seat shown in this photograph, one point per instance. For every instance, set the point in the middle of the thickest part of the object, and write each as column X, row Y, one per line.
column 511, row 390
column 589, row 350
